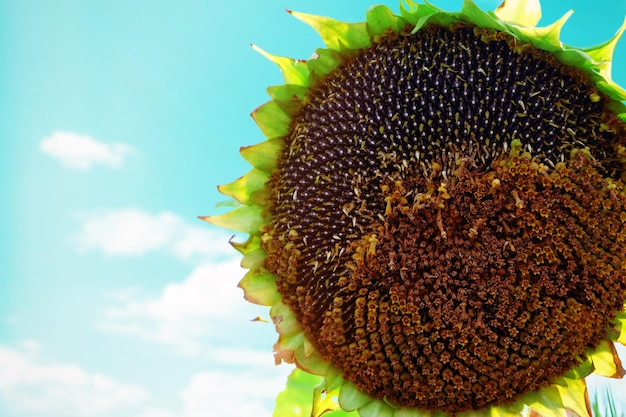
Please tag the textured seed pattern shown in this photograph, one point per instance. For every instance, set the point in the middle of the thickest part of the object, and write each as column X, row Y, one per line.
column 448, row 218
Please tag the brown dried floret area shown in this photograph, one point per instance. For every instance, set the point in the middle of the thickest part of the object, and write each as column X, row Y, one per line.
column 469, row 292
column 482, row 288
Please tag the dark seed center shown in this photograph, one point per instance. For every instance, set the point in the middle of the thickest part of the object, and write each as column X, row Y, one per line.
column 435, row 226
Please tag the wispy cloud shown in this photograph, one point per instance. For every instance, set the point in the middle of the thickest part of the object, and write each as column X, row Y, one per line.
column 202, row 316
column 136, row 232
column 202, row 311
column 231, row 394
column 83, row 152
column 29, row 385
column 226, row 394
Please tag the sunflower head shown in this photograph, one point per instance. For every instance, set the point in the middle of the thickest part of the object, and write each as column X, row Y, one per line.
column 437, row 215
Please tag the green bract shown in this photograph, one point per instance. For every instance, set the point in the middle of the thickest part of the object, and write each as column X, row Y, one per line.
column 539, row 212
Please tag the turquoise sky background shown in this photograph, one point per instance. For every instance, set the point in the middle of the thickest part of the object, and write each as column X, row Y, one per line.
column 118, row 118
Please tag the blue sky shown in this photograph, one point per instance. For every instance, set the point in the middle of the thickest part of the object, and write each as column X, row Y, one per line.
column 118, row 118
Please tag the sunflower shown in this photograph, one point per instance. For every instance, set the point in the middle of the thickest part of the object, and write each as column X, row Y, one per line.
column 436, row 217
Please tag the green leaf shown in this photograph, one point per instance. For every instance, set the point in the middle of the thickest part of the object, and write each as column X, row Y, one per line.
column 350, row 398
column 376, row 408
column 481, row 412
column 327, row 60
column 337, row 35
column 414, row 412
column 264, row 155
column 520, row 12
column 574, row 396
column 512, row 409
column 260, row 288
column 246, row 219
column 341, row 413
column 287, row 92
column 242, row 188
column 621, row 326
column 305, row 396
column 413, row 12
column 285, row 319
column 603, row 54
column 606, row 361
column 573, row 57
column 379, row 19
column 294, row 71
column 288, row 97
column 272, row 120
column 546, row 402
column 617, row 92
column 286, row 347
column 254, row 259
column 333, row 378
column 581, row 371
column 296, row 400
column 502, row 410
column 550, row 35
column 310, row 360
column 323, row 402
column 251, row 244
column 479, row 17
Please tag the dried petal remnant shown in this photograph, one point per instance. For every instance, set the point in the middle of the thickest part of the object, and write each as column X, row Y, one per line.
column 446, row 218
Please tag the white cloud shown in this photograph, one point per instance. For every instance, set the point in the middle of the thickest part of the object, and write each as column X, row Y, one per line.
column 83, row 152
column 204, row 310
column 227, row 394
column 230, row 394
column 153, row 412
column 29, row 385
column 136, row 232
column 205, row 317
